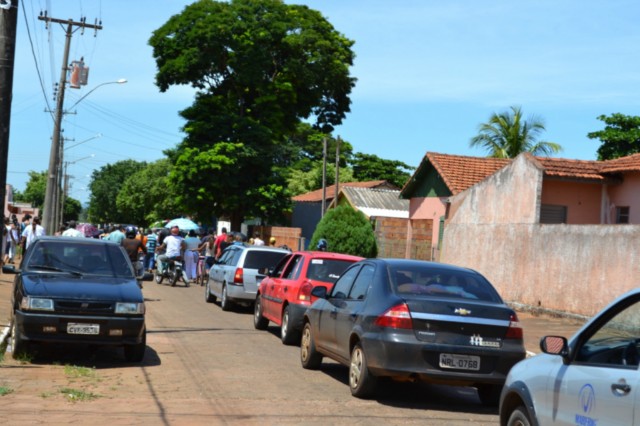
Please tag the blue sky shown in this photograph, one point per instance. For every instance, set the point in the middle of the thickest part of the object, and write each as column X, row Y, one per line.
column 429, row 72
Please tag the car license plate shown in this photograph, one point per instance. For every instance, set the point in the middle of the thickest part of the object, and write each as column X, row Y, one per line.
column 78, row 328
column 460, row 362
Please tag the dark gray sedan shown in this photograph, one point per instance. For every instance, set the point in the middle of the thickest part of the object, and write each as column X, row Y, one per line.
column 410, row 319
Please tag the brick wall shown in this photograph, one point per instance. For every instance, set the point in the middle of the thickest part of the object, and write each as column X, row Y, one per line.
column 291, row 237
column 391, row 235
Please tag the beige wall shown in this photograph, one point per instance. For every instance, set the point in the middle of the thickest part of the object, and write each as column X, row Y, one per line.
column 626, row 195
column 583, row 200
column 431, row 208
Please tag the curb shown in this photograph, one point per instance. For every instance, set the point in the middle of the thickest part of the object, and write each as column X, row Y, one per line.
column 3, row 338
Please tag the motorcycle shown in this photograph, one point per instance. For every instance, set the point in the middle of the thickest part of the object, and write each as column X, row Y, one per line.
column 173, row 271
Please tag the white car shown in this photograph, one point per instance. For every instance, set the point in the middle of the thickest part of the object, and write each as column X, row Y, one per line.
column 591, row 379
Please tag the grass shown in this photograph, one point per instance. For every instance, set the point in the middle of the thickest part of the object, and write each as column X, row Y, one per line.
column 75, row 372
column 75, row 395
column 24, row 358
column 4, row 390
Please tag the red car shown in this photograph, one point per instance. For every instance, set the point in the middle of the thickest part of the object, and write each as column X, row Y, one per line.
column 285, row 293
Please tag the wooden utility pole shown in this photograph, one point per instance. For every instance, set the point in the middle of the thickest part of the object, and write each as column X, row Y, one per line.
column 324, row 176
column 8, row 31
column 52, row 215
column 335, row 197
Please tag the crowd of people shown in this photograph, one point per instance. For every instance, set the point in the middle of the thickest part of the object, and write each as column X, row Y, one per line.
column 151, row 245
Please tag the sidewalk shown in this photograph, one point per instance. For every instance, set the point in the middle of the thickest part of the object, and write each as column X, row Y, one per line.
column 534, row 326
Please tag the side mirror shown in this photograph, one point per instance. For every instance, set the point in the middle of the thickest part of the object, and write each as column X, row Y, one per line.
column 555, row 345
column 320, row 292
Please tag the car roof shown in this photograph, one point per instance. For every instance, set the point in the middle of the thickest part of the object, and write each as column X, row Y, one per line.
column 329, row 255
column 52, row 238
column 415, row 262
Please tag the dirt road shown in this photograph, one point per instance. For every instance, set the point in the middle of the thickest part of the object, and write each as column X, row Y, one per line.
column 206, row 366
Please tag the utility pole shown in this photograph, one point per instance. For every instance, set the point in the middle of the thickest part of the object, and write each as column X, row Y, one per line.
column 335, row 197
column 8, row 30
column 51, row 205
column 324, row 176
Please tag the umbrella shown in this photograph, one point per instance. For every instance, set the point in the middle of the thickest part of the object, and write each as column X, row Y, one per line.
column 183, row 223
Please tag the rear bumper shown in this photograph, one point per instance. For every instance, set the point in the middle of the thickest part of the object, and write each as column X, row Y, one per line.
column 398, row 355
column 53, row 328
column 240, row 294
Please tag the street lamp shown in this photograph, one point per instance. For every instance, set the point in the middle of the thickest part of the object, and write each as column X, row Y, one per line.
column 52, row 211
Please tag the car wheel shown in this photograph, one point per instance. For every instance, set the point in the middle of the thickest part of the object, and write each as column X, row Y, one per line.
column 287, row 335
column 489, row 394
column 310, row 358
column 135, row 353
column 208, row 297
column 19, row 346
column 519, row 417
column 259, row 322
column 225, row 303
column 361, row 382
column 158, row 277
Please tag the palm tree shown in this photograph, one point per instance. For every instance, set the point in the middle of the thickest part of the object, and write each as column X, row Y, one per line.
column 506, row 135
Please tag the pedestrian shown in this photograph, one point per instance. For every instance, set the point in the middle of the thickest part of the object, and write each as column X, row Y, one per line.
column 30, row 233
column 14, row 239
column 219, row 240
column 272, row 241
column 208, row 245
column 117, row 235
column 192, row 243
column 223, row 245
column 71, row 230
column 149, row 258
column 257, row 241
column 133, row 246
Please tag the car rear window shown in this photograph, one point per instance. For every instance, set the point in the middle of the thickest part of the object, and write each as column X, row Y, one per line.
column 259, row 259
column 441, row 282
column 327, row 270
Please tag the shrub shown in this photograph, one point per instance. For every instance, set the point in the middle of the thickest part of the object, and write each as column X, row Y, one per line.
column 347, row 231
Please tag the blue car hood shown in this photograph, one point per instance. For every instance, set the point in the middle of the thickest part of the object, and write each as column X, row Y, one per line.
column 86, row 287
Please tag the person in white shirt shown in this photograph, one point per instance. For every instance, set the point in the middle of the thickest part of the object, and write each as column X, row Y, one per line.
column 72, row 231
column 256, row 240
column 31, row 232
column 173, row 245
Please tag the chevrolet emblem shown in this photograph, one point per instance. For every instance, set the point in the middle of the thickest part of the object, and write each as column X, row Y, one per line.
column 462, row 311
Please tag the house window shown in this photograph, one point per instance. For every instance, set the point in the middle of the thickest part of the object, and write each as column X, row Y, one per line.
column 622, row 214
column 553, row 214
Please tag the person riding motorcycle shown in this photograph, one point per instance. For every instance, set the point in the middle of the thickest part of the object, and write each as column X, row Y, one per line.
column 173, row 246
column 322, row 245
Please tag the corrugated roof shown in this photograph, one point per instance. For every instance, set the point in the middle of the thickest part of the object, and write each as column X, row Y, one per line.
column 315, row 196
column 377, row 202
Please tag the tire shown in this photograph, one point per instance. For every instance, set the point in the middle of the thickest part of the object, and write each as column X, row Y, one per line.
column 173, row 277
column 519, row 417
column 361, row 382
column 208, row 297
column 489, row 394
column 135, row 353
column 287, row 335
column 19, row 346
column 310, row 358
column 225, row 303
column 259, row 322
column 158, row 277
column 185, row 280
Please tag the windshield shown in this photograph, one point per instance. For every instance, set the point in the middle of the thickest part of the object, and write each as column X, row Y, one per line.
column 327, row 270
column 77, row 258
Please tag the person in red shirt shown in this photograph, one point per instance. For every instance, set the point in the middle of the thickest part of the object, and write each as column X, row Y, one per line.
column 219, row 239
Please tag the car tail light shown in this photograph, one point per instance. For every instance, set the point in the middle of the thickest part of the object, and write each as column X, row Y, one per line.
column 515, row 329
column 304, row 294
column 396, row 317
column 238, row 276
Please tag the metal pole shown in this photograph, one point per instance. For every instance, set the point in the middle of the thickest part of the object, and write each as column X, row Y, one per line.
column 8, row 30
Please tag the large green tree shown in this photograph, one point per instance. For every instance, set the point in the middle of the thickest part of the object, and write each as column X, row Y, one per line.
column 371, row 167
column 35, row 189
column 620, row 137
column 105, row 185
column 260, row 67
column 508, row 134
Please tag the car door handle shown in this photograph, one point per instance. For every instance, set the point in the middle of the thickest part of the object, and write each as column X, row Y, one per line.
column 620, row 389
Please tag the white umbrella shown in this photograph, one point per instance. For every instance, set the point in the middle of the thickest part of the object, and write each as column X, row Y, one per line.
column 183, row 223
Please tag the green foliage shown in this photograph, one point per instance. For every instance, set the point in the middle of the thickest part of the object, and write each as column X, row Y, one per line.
column 507, row 134
column 35, row 189
column 105, row 185
column 72, row 209
column 620, row 137
column 300, row 182
column 260, row 68
column 347, row 231
column 146, row 196
column 368, row 167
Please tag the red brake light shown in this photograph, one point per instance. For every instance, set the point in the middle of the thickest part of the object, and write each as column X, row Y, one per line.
column 237, row 278
column 396, row 317
column 304, row 294
column 515, row 329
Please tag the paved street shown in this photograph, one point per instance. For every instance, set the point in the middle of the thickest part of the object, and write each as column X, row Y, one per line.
column 205, row 366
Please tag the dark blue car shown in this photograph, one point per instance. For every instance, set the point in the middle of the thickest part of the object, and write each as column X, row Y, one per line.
column 78, row 290
column 410, row 319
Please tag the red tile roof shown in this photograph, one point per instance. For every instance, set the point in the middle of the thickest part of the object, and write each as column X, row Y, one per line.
column 315, row 196
column 460, row 172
